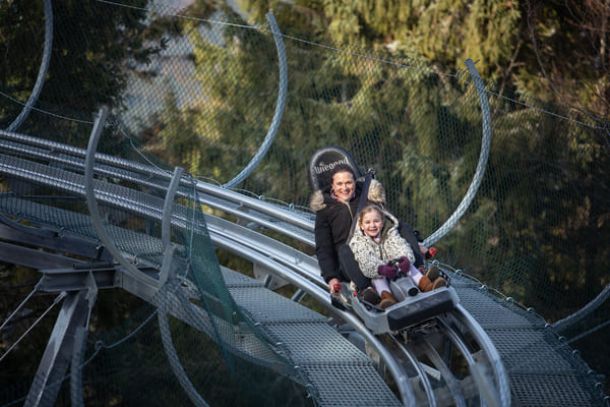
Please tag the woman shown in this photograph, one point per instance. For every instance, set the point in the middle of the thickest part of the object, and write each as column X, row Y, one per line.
column 335, row 209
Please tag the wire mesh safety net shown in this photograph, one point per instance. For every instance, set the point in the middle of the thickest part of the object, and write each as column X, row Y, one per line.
column 196, row 86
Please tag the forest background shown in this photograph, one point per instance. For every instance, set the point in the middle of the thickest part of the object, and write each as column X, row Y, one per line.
column 553, row 55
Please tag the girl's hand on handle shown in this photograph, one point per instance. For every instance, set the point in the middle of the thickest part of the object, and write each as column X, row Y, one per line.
column 404, row 265
column 387, row 271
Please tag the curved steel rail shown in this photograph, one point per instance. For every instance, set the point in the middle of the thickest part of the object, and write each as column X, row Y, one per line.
column 117, row 165
column 493, row 356
column 213, row 196
column 174, row 359
column 297, row 262
column 452, row 382
column 487, row 393
column 218, row 235
column 420, row 371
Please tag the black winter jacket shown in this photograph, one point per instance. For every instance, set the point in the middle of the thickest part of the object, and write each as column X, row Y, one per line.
column 333, row 225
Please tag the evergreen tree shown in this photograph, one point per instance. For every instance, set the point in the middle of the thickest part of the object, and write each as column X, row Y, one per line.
column 90, row 61
column 415, row 125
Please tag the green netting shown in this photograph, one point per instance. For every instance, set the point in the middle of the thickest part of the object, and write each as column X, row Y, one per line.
column 197, row 87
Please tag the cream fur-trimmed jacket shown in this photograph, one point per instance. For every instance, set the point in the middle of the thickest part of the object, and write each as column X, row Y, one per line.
column 370, row 255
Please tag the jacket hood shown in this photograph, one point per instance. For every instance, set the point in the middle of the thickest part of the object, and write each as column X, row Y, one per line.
column 390, row 222
column 320, row 199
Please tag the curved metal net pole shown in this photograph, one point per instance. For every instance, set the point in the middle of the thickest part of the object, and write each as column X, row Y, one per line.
column 42, row 71
column 570, row 320
column 482, row 164
column 174, row 360
column 164, row 329
column 168, row 207
column 94, row 212
column 279, row 107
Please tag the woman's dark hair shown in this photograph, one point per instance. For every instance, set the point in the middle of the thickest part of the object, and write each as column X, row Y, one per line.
column 342, row 168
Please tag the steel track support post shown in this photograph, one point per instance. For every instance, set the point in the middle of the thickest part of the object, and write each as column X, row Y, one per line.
column 49, row 377
column 80, row 345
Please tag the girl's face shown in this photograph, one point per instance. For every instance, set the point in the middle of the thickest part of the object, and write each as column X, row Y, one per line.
column 371, row 223
column 343, row 186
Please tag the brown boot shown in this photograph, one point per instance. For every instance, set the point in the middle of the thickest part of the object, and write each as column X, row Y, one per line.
column 438, row 283
column 387, row 299
column 425, row 284
column 433, row 273
column 370, row 295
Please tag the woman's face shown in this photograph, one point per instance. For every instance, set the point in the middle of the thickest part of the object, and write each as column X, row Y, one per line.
column 343, row 186
column 371, row 223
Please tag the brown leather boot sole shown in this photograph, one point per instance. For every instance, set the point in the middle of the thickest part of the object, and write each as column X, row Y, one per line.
column 433, row 273
column 438, row 283
column 387, row 300
column 425, row 284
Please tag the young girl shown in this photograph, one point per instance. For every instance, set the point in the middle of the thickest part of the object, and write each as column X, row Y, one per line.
column 375, row 244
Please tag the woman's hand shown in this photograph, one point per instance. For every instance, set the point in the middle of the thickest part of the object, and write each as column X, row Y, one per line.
column 428, row 252
column 334, row 285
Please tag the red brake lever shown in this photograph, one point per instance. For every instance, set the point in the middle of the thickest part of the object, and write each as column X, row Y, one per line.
column 431, row 252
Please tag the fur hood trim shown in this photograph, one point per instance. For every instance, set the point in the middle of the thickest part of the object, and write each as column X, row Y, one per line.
column 316, row 202
column 391, row 220
column 376, row 193
column 376, row 196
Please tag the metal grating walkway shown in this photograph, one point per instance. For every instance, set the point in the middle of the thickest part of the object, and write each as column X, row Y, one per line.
column 543, row 370
column 340, row 372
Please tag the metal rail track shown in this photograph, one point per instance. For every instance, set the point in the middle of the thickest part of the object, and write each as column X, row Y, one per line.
column 280, row 259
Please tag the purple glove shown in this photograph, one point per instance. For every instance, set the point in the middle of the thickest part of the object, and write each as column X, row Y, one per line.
column 387, row 271
column 404, row 265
